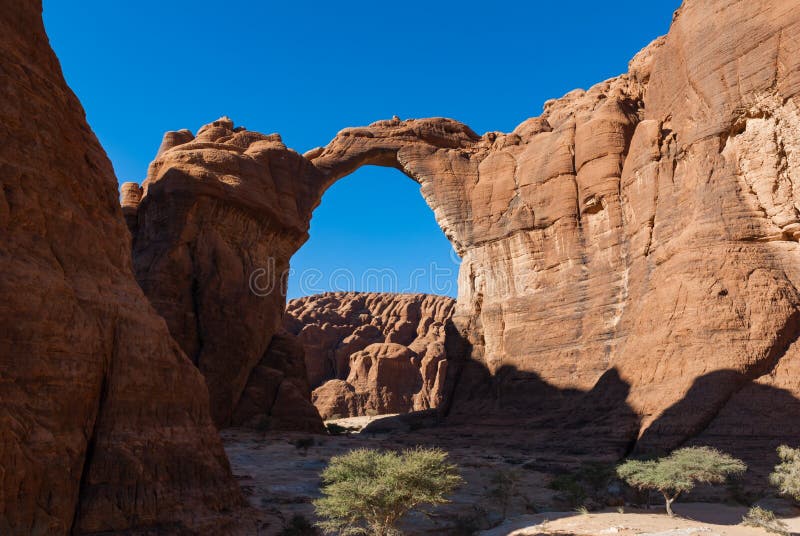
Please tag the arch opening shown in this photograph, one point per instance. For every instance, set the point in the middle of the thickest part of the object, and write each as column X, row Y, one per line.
column 373, row 232
column 370, row 295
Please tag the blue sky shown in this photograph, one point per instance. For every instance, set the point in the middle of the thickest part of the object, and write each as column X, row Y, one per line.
column 309, row 69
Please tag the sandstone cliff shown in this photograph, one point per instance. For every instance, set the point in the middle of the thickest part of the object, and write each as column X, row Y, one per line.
column 372, row 352
column 104, row 422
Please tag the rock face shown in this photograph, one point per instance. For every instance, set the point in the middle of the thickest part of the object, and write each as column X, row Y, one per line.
column 218, row 218
column 104, row 422
column 633, row 248
column 277, row 393
column 371, row 352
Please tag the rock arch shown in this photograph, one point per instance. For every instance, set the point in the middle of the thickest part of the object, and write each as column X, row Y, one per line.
column 221, row 206
column 612, row 232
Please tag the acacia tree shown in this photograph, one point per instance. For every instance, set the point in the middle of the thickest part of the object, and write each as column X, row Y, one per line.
column 786, row 476
column 368, row 491
column 680, row 472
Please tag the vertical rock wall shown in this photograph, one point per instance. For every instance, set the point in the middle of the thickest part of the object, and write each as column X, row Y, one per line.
column 104, row 422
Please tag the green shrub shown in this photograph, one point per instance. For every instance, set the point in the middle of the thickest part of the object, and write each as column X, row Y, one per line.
column 336, row 429
column 368, row 491
column 761, row 517
column 569, row 486
column 503, row 488
column 786, row 476
column 680, row 471
column 588, row 480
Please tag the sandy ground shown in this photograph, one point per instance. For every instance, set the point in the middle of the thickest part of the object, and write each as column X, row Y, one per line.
column 693, row 519
column 281, row 479
column 279, row 475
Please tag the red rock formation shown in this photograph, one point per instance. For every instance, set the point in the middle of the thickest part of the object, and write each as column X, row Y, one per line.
column 219, row 217
column 372, row 352
column 130, row 197
column 104, row 422
column 643, row 231
column 277, row 393
column 647, row 225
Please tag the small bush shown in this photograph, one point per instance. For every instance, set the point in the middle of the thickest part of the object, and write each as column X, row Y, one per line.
column 761, row 517
column 503, row 489
column 786, row 476
column 680, row 471
column 569, row 486
column 367, row 491
column 589, row 480
column 336, row 429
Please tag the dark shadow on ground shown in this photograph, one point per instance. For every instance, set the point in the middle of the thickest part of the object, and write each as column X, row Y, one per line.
column 518, row 412
column 744, row 418
column 715, row 514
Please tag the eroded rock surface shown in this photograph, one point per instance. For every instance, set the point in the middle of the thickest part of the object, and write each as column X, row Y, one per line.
column 104, row 422
column 219, row 216
column 373, row 352
column 277, row 393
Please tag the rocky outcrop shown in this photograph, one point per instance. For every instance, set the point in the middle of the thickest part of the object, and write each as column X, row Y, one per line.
column 635, row 244
column 373, row 353
column 130, row 197
column 219, row 217
column 104, row 422
column 276, row 396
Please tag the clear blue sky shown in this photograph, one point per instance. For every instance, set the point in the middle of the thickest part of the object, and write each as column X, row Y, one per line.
column 309, row 69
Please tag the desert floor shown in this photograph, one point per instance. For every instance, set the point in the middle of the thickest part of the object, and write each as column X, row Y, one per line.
column 280, row 477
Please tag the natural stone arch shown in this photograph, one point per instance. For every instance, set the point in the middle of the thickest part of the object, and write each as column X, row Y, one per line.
column 218, row 207
column 227, row 185
column 611, row 233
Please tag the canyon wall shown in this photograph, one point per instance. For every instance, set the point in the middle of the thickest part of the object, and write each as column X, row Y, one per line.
column 372, row 352
column 104, row 422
